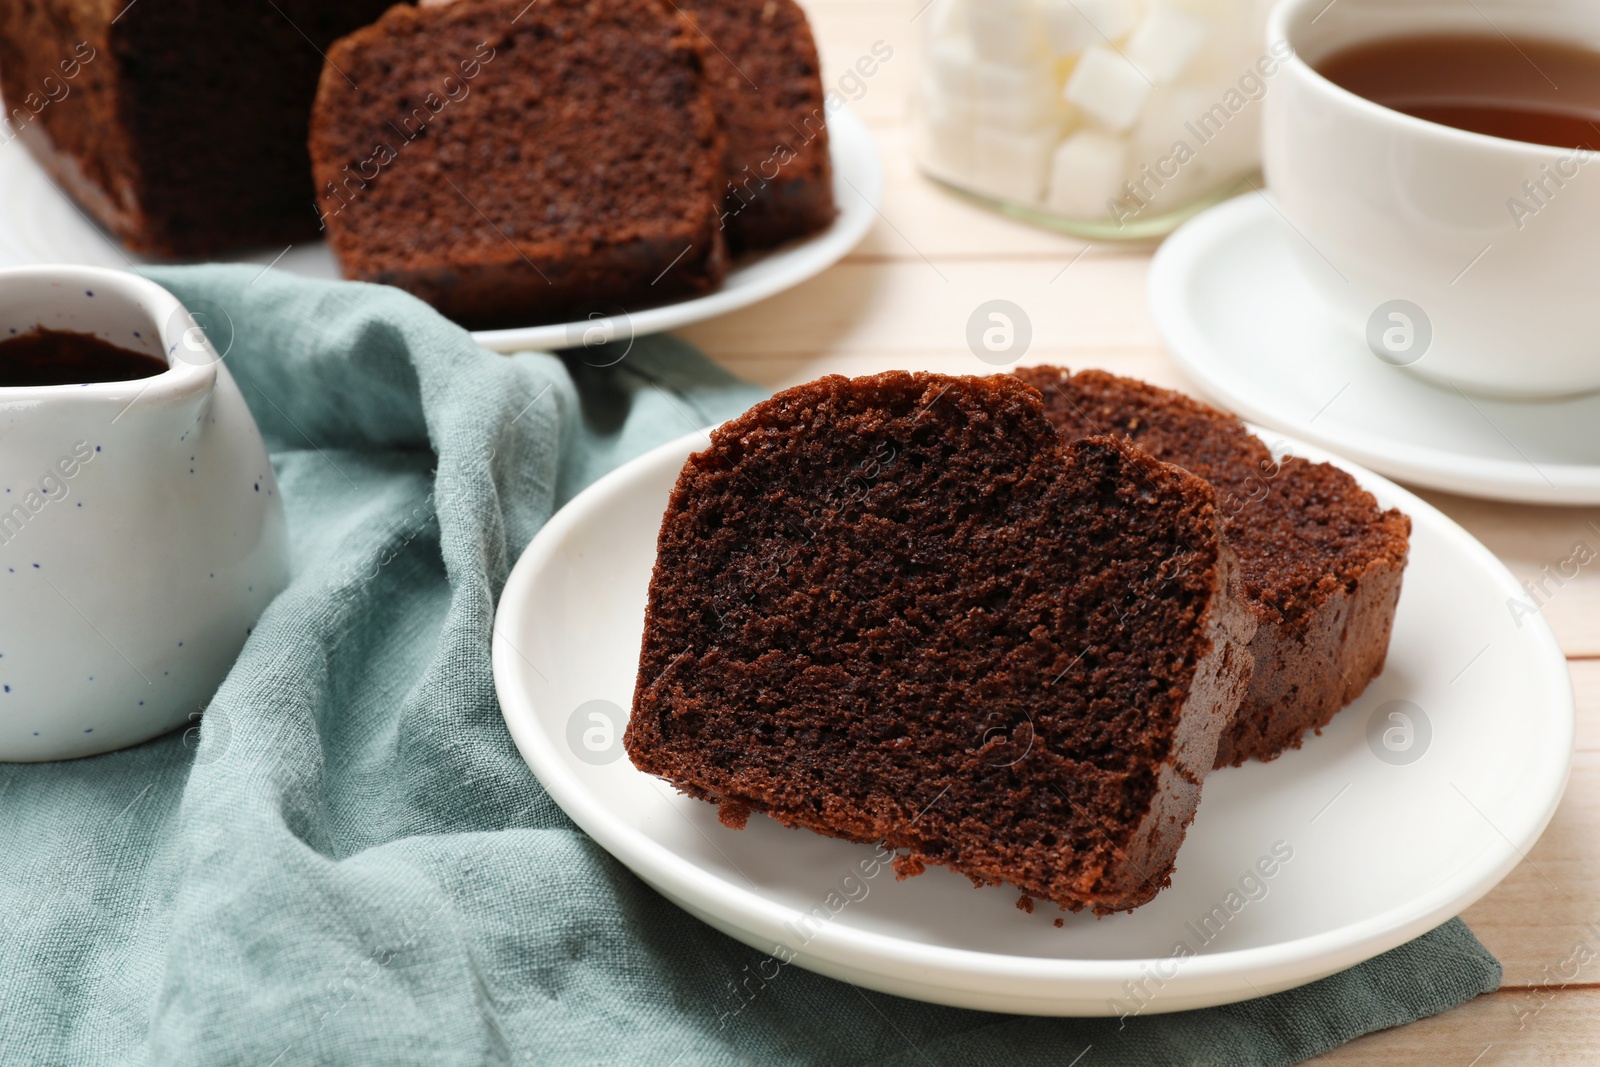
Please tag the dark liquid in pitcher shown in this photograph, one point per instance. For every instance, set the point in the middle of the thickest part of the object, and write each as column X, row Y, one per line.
column 62, row 357
column 1521, row 88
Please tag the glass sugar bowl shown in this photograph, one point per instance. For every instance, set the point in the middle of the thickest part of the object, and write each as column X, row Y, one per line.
column 1107, row 119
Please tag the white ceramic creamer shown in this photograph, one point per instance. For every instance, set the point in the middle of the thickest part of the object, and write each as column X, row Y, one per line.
column 141, row 530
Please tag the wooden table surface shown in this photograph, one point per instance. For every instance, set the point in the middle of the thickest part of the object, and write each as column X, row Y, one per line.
column 902, row 299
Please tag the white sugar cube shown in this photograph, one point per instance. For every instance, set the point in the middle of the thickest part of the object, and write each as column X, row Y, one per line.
column 1013, row 166
column 1166, row 40
column 946, row 18
column 1226, row 126
column 1018, row 98
column 1086, row 172
column 1025, row 116
column 1005, row 31
column 941, row 100
column 1186, row 147
column 1005, row 83
column 1220, row 9
column 950, row 65
column 1073, row 25
column 1166, row 120
column 1107, row 88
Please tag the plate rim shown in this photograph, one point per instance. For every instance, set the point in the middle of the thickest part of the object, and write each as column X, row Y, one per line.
column 1190, row 249
column 852, row 151
column 858, row 183
column 949, row 975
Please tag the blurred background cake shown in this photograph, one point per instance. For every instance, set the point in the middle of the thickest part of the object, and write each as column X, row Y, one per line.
column 761, row 63
column 509, row 162
column 182, row 125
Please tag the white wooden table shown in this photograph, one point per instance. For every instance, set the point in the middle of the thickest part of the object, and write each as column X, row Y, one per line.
column 902, row 300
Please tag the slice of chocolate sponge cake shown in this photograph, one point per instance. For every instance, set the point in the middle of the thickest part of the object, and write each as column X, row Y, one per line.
column 901, row 609
column 766, row 82
column 513, row 163
column 1321, row 563
column 181, row 125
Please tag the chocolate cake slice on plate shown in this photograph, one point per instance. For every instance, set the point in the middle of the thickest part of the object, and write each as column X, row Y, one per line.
column 766, row 82
column 515, row 163
column 1321, row 562
column 902, row 609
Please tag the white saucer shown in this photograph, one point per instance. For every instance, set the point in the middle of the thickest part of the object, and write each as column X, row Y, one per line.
column 1236, row 312
column 39, row 224
column 1382, row 850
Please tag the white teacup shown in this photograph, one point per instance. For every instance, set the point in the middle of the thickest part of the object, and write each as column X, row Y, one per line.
column 141, row 531
column 1411, row 229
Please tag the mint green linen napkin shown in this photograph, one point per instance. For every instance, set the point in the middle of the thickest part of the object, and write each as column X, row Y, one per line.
column 349, row 862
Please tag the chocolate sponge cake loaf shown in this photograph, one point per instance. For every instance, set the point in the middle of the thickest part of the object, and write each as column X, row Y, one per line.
column 901, row 609
column 180, row 124
column 513, row 163
column 766, row 82
column 1321, row 562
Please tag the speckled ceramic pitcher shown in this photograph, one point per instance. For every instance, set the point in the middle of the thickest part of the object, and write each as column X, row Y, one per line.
column 141, row 531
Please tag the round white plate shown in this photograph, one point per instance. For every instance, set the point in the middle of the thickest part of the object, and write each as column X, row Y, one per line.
column 1236, row 312
column 39, row 224
column 1382, row 851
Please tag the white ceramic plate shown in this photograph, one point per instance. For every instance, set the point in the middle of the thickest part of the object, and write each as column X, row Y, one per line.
column 1235, row 311
column 39, row 224
column 1382, row 851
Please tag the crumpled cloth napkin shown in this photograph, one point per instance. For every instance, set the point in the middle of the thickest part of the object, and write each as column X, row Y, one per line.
column 348, row 862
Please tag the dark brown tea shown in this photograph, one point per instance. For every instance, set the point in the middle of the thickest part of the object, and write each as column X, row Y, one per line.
column 1525, row 89
column 61, row 357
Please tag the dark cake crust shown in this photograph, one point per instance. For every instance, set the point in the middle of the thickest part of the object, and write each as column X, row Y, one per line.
column 900, row 609
column 513, row 163
column 1322, row 565
column 766, row 82
column 179, row 125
